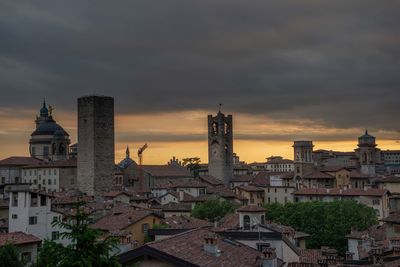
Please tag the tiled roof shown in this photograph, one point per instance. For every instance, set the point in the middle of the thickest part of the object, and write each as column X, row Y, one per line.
column 251, row 188
column 175, row 183
column 68, row 163
column 184, row 222
column 262, row 179
column 211, row 180
column 332, row 168
column 394, row 217
column 222, row 191
column 242, row 178
column 358, row 174
column 174, row 207
column 377, row 232
column 318, row 175
column 19, row 161
column 18, row 238
column 117, row 222
column 229, row 222
column 288, row 175
column 232, row 254
column 166, row 171
column 115, row 193
column 390, row 179
column 251, row 208
column 340, row 192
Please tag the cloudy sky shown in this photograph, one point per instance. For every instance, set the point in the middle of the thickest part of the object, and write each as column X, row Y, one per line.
column 286, row 70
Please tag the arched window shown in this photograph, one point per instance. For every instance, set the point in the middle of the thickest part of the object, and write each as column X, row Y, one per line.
column 246, row 222
column 214, row 128
column 61, row 149
column 227, row 128
column 53, row 149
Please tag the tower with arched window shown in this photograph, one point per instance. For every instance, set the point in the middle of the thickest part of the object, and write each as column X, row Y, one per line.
column 368, row 154
column 220, row 147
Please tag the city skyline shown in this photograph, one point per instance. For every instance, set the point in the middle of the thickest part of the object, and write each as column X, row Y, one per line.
column 255, row 138
column 323, row 71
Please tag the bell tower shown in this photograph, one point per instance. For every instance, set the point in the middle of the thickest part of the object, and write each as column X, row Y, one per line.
column 220, row 147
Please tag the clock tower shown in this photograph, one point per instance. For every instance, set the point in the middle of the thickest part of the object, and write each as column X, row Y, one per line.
column 220, row 147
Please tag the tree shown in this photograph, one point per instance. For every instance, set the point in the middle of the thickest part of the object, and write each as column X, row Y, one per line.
column 9, row 256
column 193, row 164
column 328, row 223
column 86, row 248
column 213, row 210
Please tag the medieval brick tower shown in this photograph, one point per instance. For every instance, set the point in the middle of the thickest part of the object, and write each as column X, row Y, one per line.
column 95, row 144
column 303, row 159
column 220, row 147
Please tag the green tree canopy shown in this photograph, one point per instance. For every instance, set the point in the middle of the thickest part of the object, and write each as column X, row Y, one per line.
column 328, row 223
column 9, row 256
column 86, row 249
column 213, row 210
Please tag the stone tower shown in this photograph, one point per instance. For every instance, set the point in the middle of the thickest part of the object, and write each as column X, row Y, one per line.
column 303, row 159
column 220, row 147
column 369, row 156
column 95, row 144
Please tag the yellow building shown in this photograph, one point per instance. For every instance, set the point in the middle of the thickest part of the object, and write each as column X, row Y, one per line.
column 131, row 227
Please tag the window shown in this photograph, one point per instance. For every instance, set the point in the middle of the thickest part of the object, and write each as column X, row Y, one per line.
column 72, row 180
column 145, row 228
column 49, row 181
column 262, row 246
column 375, row 202
column 55, row 181
column 43, row 201
column 32, row 220
column 14, row 216
column 55, row 235
column 251, row 200
column 45, row 151
column 34, row 200
column 262, row 219
column 55, row 172
column 3, row 180
column 15, row 200
column 44, row 181
column 246, row 222
column 26, row 256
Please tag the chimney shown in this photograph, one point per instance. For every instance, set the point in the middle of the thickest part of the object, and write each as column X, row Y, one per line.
column 211, row 245
column 181, row 193
column 268, row 258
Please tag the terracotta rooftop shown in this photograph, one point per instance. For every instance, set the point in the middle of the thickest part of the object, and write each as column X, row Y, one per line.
column 229, row 222
column 166, row 171
column 69, row 163
column 394, row 217
column 340, row 192
column 182, row 182
column 19, row 161
column 251, row 188
column 211, row 180
column 318, row 175
column 174, row 207
column 251, row 208
column 242, row 178
column 389, row 179
column 184, row 222
column 232, row 254
column 357, row 174
column 18, row 238
column 332, row 168
column 115, row 193
column 222, row 191
column 262, row 179
column 117, row 222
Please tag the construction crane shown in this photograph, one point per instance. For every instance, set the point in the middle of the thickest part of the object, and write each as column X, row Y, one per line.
column 140, row 157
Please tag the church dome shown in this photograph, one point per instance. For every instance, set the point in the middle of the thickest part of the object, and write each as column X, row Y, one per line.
column 366, row 140
column 125, row 163
column 49, row 127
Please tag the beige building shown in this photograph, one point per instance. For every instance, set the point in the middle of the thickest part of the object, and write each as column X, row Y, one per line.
column 253, row 194
column 27, row 245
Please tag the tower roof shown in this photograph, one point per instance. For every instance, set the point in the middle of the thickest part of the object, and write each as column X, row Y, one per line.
column 44, row 112
column 366, row 135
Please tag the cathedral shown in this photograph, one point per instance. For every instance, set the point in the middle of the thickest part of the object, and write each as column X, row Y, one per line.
column 49, row 141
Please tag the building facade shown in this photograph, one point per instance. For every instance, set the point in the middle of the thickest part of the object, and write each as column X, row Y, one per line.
column 95, row 144
column 220, row 147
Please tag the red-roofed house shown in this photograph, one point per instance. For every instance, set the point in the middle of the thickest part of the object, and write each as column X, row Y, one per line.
column 26, row 243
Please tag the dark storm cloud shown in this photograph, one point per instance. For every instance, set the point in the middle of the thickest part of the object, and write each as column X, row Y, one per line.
column 334, row 62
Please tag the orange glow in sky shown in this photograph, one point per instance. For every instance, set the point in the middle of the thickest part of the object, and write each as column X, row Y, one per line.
column 184, row 134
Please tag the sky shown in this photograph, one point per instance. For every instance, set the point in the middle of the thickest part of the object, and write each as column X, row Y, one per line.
column 286, row 70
